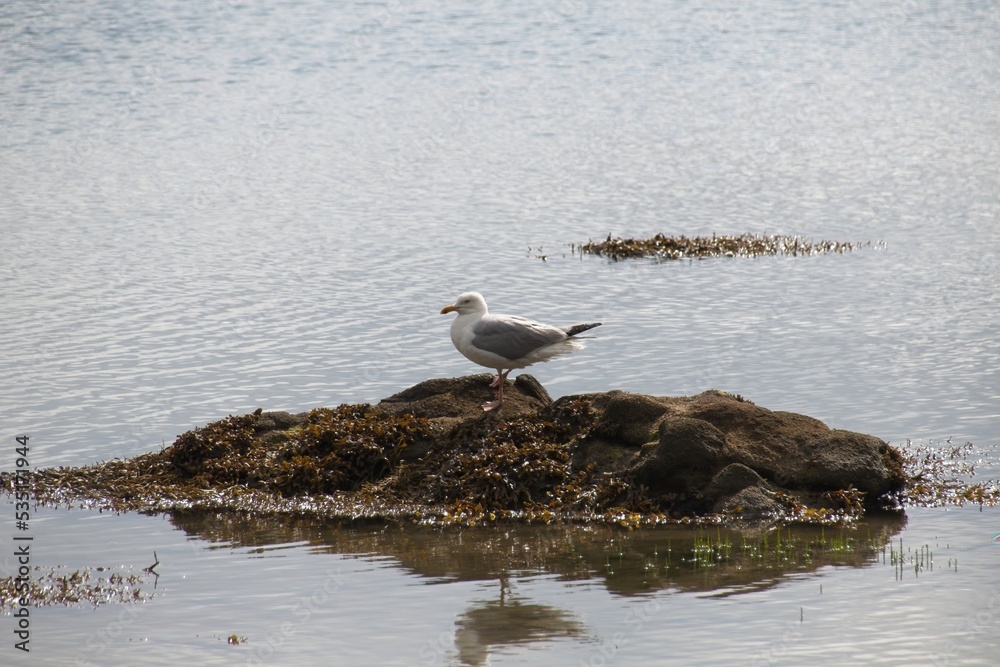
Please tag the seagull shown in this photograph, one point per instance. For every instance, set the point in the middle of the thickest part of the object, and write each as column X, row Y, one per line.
column 506, row 341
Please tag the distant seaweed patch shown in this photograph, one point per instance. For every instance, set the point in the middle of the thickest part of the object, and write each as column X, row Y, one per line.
column 702, row 247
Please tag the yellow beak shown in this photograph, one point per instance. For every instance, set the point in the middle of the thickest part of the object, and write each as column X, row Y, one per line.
column 448, row 309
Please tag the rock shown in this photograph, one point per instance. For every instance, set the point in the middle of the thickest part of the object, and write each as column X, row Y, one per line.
column 456, row 398
column 604, row 455
column 753, row 503
column 683, row 459
column 710, row 446
column 842, row 458
column 716, row 444
column 732, row 479
column 279, row 421
column 799, row 452
column 272, row 427
column 630, row 418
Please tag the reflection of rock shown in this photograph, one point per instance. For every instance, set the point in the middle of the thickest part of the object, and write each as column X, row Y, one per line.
column 626, row 562
column 430, row 453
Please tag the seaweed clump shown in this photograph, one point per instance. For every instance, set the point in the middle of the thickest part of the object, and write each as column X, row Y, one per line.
column 334, row 449
column 513, row 465
column 351, row 461
column 525, row 468
column 343, row 448
column 939, row 476
column 212, row 449
column 94, row 586
column 702, row 247
column 243, row 461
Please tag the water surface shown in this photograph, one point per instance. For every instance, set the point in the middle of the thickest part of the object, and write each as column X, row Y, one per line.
column 208, row 209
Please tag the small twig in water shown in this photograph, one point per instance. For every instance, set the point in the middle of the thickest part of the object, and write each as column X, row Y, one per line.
column 151, row 569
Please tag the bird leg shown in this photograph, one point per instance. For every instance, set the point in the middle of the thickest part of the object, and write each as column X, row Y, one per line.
column 499, row 379
column 498, row 383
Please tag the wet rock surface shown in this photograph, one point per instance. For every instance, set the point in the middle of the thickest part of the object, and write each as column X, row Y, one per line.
column 430, row 454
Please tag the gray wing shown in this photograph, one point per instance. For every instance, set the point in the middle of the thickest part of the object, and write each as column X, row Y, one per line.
column 513, row 337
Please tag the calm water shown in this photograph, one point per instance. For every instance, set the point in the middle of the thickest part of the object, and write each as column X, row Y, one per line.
column 209, row 209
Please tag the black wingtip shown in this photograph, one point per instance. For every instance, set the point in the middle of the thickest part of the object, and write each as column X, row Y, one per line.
column 580, row 328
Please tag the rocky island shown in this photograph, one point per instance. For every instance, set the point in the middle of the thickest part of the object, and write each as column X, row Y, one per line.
column 430, row 454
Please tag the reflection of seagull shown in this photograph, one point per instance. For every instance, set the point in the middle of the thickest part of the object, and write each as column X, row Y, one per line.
column 493, row 626
column 506, row 341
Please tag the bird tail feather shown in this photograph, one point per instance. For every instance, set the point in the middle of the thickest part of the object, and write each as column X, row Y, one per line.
column 580, row 328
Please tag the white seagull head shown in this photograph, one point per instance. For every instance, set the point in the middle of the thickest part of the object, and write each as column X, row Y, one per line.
column 470, row 302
